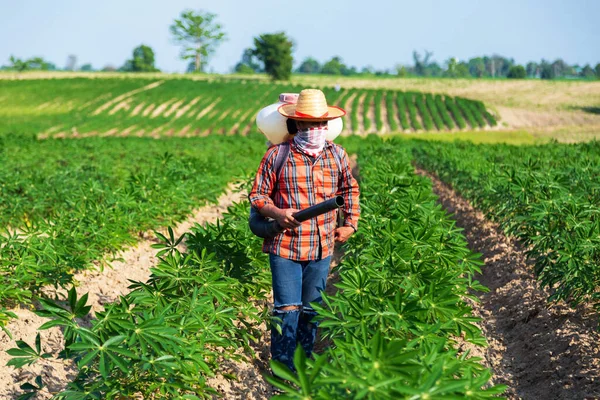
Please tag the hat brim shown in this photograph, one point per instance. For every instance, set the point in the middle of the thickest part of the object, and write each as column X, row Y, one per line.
column 289, row 111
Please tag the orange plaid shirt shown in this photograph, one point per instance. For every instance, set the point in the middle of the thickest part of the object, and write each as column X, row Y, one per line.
column 303, row 182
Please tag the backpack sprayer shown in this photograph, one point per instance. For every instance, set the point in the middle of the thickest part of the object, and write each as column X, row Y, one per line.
column 279, row 129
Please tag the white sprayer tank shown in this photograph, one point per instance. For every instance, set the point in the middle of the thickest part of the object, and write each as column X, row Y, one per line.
column 274, row 125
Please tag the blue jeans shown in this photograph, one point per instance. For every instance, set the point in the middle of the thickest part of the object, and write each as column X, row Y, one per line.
column 297, row 284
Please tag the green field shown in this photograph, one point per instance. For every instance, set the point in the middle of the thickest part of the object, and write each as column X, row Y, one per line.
column 86, row 165
column 82, row 107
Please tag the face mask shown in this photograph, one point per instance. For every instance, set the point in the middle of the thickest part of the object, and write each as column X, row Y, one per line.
column 312, row 140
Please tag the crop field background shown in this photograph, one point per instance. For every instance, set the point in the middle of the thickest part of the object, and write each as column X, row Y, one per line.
column 474, row 272
column 180, row 107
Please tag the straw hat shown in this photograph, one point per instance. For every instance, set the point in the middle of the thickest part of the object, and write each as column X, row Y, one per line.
column 311, row 106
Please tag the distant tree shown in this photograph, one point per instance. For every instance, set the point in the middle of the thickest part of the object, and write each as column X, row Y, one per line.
column 368, row 70
column 309, row 66
column 86, row 67
column 37, row 63
column 546, row 70
column 597, row 69
column 275, row 51
column 476, row 67
column 71, row 63
column 109, row 68
column 532, row 69
column 402, row 71
column 248, row 64
column 560, row 68
column 199, row 34
column 455, row 69
column 587, row 72
column 18, row 64
column 142, row 61
column 517, row 72
column 333, row 66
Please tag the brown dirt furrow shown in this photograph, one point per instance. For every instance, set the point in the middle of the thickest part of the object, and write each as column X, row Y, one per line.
column 384, row 114
column 208, row 109
column 125, row 96
column 540, row 350
column 360, row 129
column 158, row 111
column 173, row 108
column 123, row 105
column 103, row 287
column 180, row 112
column 371, row 116
column 137, row 109
column 348, row 107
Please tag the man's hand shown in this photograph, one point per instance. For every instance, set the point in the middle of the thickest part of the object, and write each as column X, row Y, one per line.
column 343, row 233
column 286, row 219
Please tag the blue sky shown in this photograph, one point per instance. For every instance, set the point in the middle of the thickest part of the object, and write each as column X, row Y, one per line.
column 374, row 32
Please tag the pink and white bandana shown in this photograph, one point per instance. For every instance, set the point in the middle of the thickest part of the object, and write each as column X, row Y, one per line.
column 311, row 141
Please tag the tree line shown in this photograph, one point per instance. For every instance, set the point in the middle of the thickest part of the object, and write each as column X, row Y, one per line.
column 199, row 35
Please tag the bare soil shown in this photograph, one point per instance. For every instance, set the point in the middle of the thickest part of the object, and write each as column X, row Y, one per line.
column 540, row 350
column 384, row 114
column 360, row 129
column 103, row 287
column 348, row 107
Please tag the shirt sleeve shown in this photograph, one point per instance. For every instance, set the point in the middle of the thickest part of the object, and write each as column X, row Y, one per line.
column 349, row 190
column 264, row 183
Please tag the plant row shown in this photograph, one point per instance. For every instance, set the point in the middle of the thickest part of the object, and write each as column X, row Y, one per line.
column 400, row 301
column 167, row 336
column 179, row 107
column 547, row 196
column 67, row 204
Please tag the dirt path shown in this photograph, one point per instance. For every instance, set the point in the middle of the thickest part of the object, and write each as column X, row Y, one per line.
column 348, row 128
column 540, row 351
column 103, row 287
column 385, row 128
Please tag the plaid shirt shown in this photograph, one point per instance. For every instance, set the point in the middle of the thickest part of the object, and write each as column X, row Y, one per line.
column 305, row 181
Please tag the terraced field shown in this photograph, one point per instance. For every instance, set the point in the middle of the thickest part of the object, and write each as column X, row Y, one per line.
column 180, row 107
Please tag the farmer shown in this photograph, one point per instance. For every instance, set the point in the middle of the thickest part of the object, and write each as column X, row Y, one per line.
column 315, row 170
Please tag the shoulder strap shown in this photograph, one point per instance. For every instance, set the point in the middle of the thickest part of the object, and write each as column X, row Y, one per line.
column 337, row 156
column 282, row 156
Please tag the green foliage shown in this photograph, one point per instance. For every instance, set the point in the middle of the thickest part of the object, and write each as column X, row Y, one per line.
column 309, row 66
column 401, row 100
column 165, row 337
column 336, row 66
column 199, row 35
column 433, row 110
column 142, row 61
column 367, row 111
column 24, row 354
column 444, row 112
column 423, row 111
column 517, row 72
column 400, row 302
column 80, row 201
column 467, row 111
column 391, row 110
column 354, row 116
column 452, row 106
column 248, row 64
column 546, row 196
column 456, row 69
column 34, row 63
column 378, row 99
column 275, row 51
